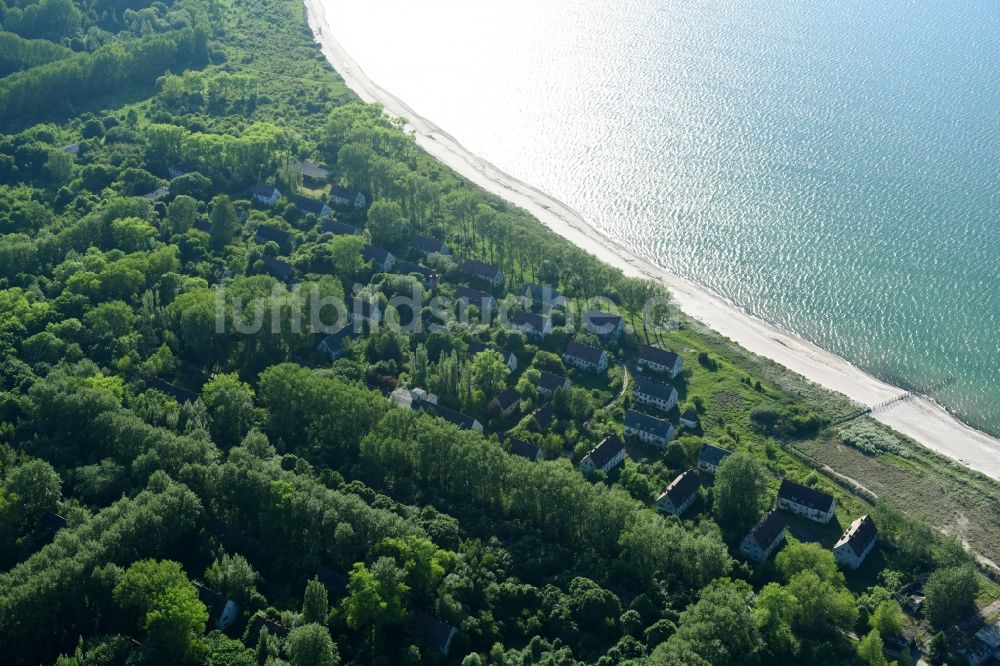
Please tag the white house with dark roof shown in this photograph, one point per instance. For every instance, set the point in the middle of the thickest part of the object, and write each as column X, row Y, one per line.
column 483, row 271
column 309, row 206
column 604, row 325
column 607, row 455
column 710, row 457
column 509, row 358
column 312, row 174
column 333, row 344
column 338, row 228
column 805, row 501
column 519, row 447
column 343, row 196
column 463, row 421
column 425, row 245
column 279, row 236
column 533, row 325
column 654, row 394
column 267, row 195
column 689, row 419
column 485, row 302
column 428, row 276
column 382, row 259
column 506, row 402
column 765, row 538
column 585, row 357
column 679, row 495
column 278, row 268
column 660, row 360
column 859, row 540
column 648, row 429
column 550, row 382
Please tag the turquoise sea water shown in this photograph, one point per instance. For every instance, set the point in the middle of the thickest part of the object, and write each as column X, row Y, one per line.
column 833, row 168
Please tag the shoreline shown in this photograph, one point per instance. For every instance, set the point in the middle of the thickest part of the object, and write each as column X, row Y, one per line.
column 919, row 417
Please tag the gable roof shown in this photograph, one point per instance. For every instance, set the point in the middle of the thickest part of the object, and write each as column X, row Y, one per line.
column 408, row 267
column 507, row 398
column 713, row 454
column 519, row 447
column 338, row 228
column 438, row 633
column 477, row 347
column 307, row 205
column 606, row 450
column 375, row 254
column 480, row 269
column 690, row 415
column 646, row 423
column 658, row 356
column 767, row 529
column 181, row 395
column 544, row 416
column 279, row 236
column 334, row 580
column 584, row 352
column 681, row 488
column 535, row 322
column 805, row 496
column 472, row 295
column 450, row 415
column 601, row 323
column 334, row 340
column 346, row 193
column 550, row 381
column 265, row 191
column 273, row 628
column 655, row 389
column 278, row 268
column 861, row 532
column 428, row 245
column 311, row 170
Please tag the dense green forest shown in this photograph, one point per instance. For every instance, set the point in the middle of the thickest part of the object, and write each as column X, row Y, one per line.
column 187, row 477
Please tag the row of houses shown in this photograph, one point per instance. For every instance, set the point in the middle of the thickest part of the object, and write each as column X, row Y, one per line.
column 766, row 537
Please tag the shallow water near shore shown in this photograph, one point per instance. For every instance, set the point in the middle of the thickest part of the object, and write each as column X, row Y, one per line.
column 832, row 169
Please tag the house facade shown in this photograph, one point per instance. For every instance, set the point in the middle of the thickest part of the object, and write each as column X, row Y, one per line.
column 765, row 538
column 585, row 357
column 689, row 419
column 309, row 206
column 605, row 456
column 660, row 361
column 679, row 495
column 859, row 540
column 648, row 429
column 805, row 501
column 654, row 394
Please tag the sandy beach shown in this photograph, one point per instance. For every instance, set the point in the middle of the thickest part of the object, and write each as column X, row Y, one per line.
column 919, row 418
